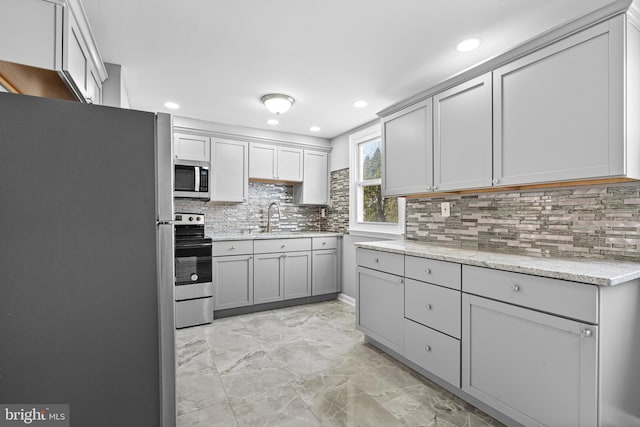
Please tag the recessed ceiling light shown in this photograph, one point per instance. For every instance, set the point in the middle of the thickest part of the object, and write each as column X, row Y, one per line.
column 171, row 105
column 468, row 45
column 360, row 104
column 314, row 129
column 272, row 122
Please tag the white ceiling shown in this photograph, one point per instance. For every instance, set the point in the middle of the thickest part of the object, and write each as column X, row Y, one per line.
column 216, row 58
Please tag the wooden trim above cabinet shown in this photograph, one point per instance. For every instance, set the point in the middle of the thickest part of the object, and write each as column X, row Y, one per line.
column 550, row 185
column 26, row 80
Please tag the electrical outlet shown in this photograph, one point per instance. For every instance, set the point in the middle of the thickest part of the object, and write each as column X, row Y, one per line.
column 445, row 209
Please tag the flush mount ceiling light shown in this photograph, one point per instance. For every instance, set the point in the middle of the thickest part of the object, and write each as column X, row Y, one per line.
column 171, row 105
column 468, row 45
column 277, row 103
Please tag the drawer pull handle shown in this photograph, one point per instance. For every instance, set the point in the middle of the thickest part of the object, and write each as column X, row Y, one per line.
column 375, row 260
column 283, row 246
column 428, row 306
column 515, row 288
column 428, row 271
column 324, row 243
column 427, row 347
column 587, row 332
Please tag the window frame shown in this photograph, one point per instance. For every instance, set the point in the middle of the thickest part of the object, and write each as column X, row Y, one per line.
column 355, row 201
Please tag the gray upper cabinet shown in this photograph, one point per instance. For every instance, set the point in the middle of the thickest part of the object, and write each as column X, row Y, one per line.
column 462, row 136
column 314, row 189
column 55, row 36
column 290, row 164
column 191, row 147
column 230, row 175
column 407, row 150
column 274, row 162
column 559, row 112
column 263, row 161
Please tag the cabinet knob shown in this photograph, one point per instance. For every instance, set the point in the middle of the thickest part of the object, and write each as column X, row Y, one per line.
column 587, row 332
column 496, row 181
column 434, row 188
column 428, row 306
column 427, row 347
column 283, row 246
column 375, row 260
column 400, row 280
column 324, row 243
column 232, row 248
column 515, row 288
column 428, row 271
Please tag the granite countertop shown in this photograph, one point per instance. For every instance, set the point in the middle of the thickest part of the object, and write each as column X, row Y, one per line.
column 218, row 237
column 592, row 271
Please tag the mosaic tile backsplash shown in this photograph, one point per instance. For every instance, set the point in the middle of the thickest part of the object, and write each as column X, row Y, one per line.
column 252, row 215
column 587, row 221
column 338, row 212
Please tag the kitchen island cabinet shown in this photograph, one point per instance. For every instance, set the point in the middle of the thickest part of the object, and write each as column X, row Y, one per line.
column 541, row 342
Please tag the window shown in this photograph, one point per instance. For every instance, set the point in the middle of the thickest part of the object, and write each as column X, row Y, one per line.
column 370, row 211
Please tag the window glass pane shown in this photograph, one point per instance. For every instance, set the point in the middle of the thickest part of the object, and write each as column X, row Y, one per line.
column 370, row 159
column 376, row 208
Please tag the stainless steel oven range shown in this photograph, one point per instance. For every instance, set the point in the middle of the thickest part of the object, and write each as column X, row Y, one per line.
column 193, row 285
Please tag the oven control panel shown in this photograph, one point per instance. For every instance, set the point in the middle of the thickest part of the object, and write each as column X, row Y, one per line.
column 188, row 219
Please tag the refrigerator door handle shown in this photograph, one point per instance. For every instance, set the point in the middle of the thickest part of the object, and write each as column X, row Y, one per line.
column 165, row 222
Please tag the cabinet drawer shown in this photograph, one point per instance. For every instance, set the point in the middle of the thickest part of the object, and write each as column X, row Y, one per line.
column 433, row 351
column 441, row 273
column 324, row 243
column 569, row 299
column 233, row 247
column 383, row 261
column 281, row 245
column 433, row 306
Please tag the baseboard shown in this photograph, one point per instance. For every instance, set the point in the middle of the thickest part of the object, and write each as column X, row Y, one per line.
column 347, row 299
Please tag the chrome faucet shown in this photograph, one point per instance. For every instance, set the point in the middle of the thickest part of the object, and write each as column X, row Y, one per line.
column 269, row 215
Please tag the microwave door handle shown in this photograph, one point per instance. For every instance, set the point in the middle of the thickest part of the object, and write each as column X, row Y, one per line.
column 196, row 170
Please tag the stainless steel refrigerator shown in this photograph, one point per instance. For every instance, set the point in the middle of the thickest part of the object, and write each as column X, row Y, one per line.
column 86, row 261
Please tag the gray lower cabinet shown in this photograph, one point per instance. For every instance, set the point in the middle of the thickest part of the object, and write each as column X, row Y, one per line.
column 380, row 307
column 280, row 276
column 539, row 369
column 325, row 271
column 268, row 284
column 233, row 281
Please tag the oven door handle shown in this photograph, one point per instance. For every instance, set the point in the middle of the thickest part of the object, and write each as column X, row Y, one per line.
column 193, row 245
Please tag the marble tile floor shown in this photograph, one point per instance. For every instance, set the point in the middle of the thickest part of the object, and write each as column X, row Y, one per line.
column 303, row 366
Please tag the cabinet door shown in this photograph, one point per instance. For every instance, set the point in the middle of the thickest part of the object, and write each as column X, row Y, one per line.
column 191, row 147
column 462, row 136
column 314, row 189
column 268, row 284
column 232, row 281
column 407, row 151
column 325, row 272
column 263, row 161
column 230, row 175
column 29, row 29
column 289, row 164
column 297, row 274
column 558, row 112
column 75, row 62
column 380, row 307
column 537, row 368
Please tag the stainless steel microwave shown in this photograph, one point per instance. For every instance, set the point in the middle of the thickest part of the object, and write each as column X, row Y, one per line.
column 191, row 180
